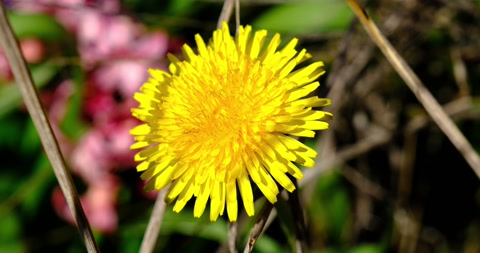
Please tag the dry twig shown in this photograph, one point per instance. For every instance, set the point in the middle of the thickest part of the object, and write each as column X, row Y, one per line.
column 299, row 220
column 232, row 236
column 154, row 224
column 259, row 226
column 40, row 120
column 431, row 105
column 226, row 13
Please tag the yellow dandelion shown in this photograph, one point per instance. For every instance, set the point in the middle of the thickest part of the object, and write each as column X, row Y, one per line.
column 224, row 117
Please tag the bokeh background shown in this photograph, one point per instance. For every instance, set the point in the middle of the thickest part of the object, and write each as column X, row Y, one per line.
column 386, row 179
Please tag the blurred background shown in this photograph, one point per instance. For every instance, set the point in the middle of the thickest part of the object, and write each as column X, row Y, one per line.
column 386, row 179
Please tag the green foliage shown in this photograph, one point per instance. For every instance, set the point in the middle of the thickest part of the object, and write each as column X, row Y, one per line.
column 330, row 209
column 362, row 248
column 34, row 191
column 304, row 17
column 10, row 95
column 40, row 26
column 10, row 233
column 180, row 7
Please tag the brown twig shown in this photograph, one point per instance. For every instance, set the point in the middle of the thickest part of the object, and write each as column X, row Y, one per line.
column 259, row 226
column 416, row 86
column 226, row 13
column 378, row 138
column 154, row 224
column 228, row 6
column 299, row 220
column 232, row 236
column 363, row 184
column 40, row 120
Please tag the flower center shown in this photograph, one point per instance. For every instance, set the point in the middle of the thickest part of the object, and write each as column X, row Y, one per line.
column 227, row 108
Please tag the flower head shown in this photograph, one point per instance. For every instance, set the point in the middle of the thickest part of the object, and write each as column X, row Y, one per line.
column 224, row 117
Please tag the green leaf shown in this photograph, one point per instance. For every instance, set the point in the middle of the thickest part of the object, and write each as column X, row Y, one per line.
column 40, row 26
column 286, row 219
column 29, row 142
column 185, row 223
column 37, row 187
column 10, row 228
column 13, row 247
column 306, row 17
column 265, row 244
column 330, row 209
column 10, row 95
column 180, row 7
column 368, row 248
column 28, row 192
column 11, row 128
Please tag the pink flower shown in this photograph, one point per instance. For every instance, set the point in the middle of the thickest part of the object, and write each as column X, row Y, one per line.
column 90, row 158
column 5, row 71
column 106, row 37
column 56, row 102
column 102, row 150
column 115, row 52
column 32, row 49
column 98, row 203
column 110, row 89
column 68, row 12
column 118, row 143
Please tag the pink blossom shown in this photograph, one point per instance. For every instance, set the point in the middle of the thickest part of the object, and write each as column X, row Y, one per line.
column 115, row 51
column 119, row 142
column 110, row 89
column 101, row 106
column 103, row 36
column 124, row 77
column 102, row 150
column 109, row 37
column 68, row 12
column 98, row 204
column 90, row 158
column 32, row 49
column 5, row 71
column 56, row 103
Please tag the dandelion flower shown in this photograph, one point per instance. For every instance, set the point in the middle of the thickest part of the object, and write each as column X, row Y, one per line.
column 225, row 117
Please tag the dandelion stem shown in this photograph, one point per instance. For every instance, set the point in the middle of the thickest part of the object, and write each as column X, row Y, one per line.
column 40, row 120
column 154, row 224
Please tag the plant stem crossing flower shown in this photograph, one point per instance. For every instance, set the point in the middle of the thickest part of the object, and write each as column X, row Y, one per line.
column 226, row 117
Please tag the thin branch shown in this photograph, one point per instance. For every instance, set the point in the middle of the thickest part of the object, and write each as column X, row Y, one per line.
column 232, row 236
column 226, row 13
column 267, row 214
column 259, row 226
column 154, row 224
column 363, row 184
column 431, row 105
column 378, row 138
column 460, row 73
column 237, row 15
column 299, row 220
column 40, row 120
